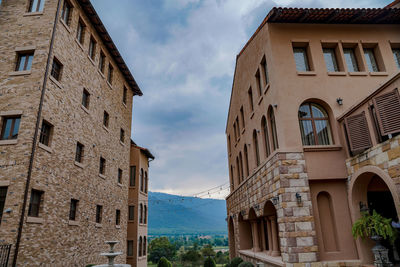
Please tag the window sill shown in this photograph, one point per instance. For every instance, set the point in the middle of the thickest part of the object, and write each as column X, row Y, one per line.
column 260, row 100
column 251, row 115
column 122, row 143
column 80, row 165
column 98, row 225
column 73, row 223
column 380, row 73
column 91, row 60
column 119, row 184
column 306, row 73
column 266, row 88
column 65, row 25
column 46, row 148
column 143, row 193
column 8, row 142
column 85, row 109
column 101, row 74
column 358, row 73
column 34, row 220
column 102, row 176
column 105, row 128
column 336, row 73
column 4, row 183
column 11, row 112
column 322, row 148
column 57, row 83
column 28, row 14
column 244, row 129
column 79, row 44
column 109, row 85
column 20, row 73
column 118, row 227
column 124, row 104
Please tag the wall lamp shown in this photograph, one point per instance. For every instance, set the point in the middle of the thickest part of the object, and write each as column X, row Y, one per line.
column 298, row 198
column 275, row 200
column 363, row 207
column 339, row 100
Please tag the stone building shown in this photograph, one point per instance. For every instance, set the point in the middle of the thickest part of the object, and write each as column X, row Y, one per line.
column 312, row 135
column 66, row 107
column 138, row 206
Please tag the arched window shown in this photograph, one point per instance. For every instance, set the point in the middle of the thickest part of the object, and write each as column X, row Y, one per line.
column 246, row 160
column 232, row 181
column 141, row 180
column 264, row 128
column 256, row 149
column 238, row 170
column 141, row 214
column 241, row 166
column 144, row 246
column 140, row 246
column 274, row 134
column 314, row 125
column 145, row 214
column 146, row 182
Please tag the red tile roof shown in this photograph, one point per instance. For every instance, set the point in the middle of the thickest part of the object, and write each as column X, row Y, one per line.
column 393, row 4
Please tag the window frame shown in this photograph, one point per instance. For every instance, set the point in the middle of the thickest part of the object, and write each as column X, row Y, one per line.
column 39, row 6
column 122, row 135
column 45, row 138
column 99, row 214
column 79, row 152
column 306, row 52
column 106, row 119
column 396, row 56
column 132, row 176
column 14, row 119
column 117, row 217
column 110, row 74
column 131, row 213
column 129, row 252
column 3, row 198
column 102, row 62
column 67, row 9
column 35, row 203
column 56, row 73
column 73, row 209
column 102, row 166
column 85, row 98
column 124, row 95
column 27, row 62
column 80, row 32
column 120, row 173
column 92, row 48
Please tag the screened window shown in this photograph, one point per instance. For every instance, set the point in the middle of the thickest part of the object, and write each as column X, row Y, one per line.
column 314, row 125
column 102, row 61
column 131, row 213
column 330, row 59
column 396, row 54
column 92, row 48
column 36, row 5
column 73, row 209
column 66, row 12
column 34, row 205
column 56, row 69
column 24, row 61
column 351, row 60
column 117, row 217
column 79, row 152
column 130, row 248
column 10, row 128
column 301, row 58
column 370, row 59
column 119, row 176
column 85, row 98
column 3, row 195
column 132, row 176
column 106, row 119
column 99, row 213
column 45, row 133
column 102, row 169
column 80, row 32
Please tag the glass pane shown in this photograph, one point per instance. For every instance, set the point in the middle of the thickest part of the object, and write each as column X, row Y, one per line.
column 350, row 59
column 304, row 111
column 7, row 129
column 307, row 133
column 330, row 59
column 29, row 63
column 323, row 132
column 21, row 63
column 300, row 56
column 41, row 5
column 370, row 59
column 318, row 112
column 33, row 5
column 396, row 54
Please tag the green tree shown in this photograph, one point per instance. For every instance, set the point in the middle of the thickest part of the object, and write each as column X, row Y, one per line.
column 246, row 264
column 208, row 251
column 235, row 262
column 192, row 256
column 161, row 247
column 163, row 262
column 209, row 262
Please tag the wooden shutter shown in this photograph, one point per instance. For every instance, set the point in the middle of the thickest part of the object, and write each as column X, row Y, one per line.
column 358, row 132
column 388, row 112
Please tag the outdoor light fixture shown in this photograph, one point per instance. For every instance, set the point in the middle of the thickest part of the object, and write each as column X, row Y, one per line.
column 339, row 101
column 256, row 207
column 363, row 207
column 275, row 200
column 298, row 198
column 275, row 105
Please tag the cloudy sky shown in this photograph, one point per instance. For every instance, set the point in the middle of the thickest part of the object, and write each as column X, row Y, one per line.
column 182, row 54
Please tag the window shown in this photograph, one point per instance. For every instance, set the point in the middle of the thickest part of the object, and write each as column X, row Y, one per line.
column 274, row 134
column 10, row 127
column 140, row 246
column 24, row 61
column 351, row 60
column 34, row 205
column 110, row 73
column 80, row 32
column 92, row 48
column 102, row 169
column 144, row 245
column 131, row 213
column 45, row 133
column 145, row 215
column 238, row 170
column 99, row 211
column 235, row 131
column 241, row 165
column 242, row 116
column 314, row 125
column 301, row 58
column 246, row 160
column 330, row 59
column 250, row 95
column 370, row 59
column 256, row 149
column 237, row 127
column 264, row 128
column 66, row 12
column 119, row 176
column 146, row 182
column 106, row 119
column 117, row 217
column 141, row 180
column 102, row 61
column 396, row 54
column 259, row 84
column 36, row 5
column 141, row 214
column 3, row 195
column 132, row 176
column 229, row 144
column 130, row 248
column 79, row 152
column 72, row 209
column 85, row 98
column 264, row 67
column 56, row 69
column 124, row 95
column 122, row 135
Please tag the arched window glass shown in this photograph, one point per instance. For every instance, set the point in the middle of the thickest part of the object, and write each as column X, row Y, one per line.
column 314, row 125
column 141, row 180
column 246, row 160
column 274, row 134
column 256, row 149
column 140, row 246
column 232, row 181
column 145, row 214
column 241, row 166
column 141, row 213
column 146, row 182
column 238, row 170
column 264, row 128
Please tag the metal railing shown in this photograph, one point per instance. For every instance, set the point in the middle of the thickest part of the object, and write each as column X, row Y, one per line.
column 4, row 255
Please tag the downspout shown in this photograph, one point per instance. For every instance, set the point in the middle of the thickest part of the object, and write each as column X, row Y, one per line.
column 35, row 136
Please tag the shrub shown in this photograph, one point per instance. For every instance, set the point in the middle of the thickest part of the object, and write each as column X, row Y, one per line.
column 246, row 264
column 164, row 263
column 375, row 224
column 235, row 262
column 209, row 262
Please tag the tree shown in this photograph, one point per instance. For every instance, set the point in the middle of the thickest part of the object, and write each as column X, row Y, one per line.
column 209, row 262
column 208, row 251
column 246, row 264
column 164, row 263
column 161, row 247
column 235, row 262
column 192, row 256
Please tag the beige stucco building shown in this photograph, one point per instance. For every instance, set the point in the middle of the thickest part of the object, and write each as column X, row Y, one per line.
column 307, row 143
column 137, row 242
column 66, row 107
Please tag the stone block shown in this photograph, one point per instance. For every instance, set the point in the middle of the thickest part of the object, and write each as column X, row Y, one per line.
column 307, row 257
column 304, row 241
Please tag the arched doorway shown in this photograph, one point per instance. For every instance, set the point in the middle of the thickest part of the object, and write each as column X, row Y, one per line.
column 232, row 242
column 372, row 188
column 245, row 237
column 270, row 231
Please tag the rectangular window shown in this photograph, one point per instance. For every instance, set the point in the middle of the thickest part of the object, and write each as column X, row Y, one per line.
column 85, row 98
column 110, row 73
column 24, row 61
column 122, row 135
column 370, row 59
column 130, row 248
column 330, row 59
column 117, row 217
column 102, row 168
column 10, row 127
column 66, row 12
column 34, row 205
column 124, row 95
column 132, row 176
column 99, row 213
column 396, row 54
column 235, row 131
column 92, row 48
column 56, row 69
column 265, row 70
column 36, row 5
column 301, row 58
column 238, row 127
column 79, row 152
column 250, row 94
column 45, row 133
column 131, row 213
column 80, row 32
column 106, row 119
column 3, row 195
column 102, row 61
column 351, row 60
column 119, row 176
column 242, row 116
column 73, row 209
column 259, row 85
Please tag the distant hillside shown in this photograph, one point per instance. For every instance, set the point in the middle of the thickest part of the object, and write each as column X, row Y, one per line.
column 171, row 214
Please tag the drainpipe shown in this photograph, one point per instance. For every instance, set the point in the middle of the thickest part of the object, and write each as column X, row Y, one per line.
column 35, row 136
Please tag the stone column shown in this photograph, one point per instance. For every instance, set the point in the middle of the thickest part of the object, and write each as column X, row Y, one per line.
column 263, row 246
column 269, row 232
column 274, row 229
column 256, row 242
